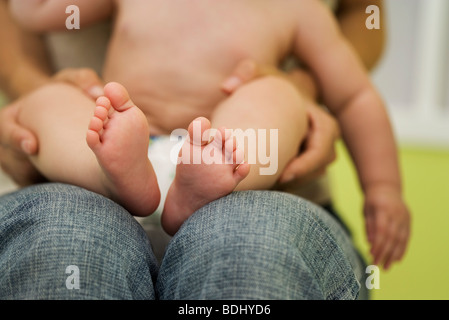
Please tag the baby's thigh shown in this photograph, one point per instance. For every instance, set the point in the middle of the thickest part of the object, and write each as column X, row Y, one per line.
column 268, row 118
column 54, row 107
column 269, row 102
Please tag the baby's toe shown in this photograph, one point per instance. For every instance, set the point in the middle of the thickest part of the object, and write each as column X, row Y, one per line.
column 198, row 131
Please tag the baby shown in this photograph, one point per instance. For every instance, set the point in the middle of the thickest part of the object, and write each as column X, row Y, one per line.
column 172, row 57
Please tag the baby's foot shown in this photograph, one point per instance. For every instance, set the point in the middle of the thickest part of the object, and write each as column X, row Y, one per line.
column 195, row 185
column 119, row 136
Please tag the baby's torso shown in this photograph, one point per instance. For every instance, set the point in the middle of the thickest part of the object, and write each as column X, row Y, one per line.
column 173, row 55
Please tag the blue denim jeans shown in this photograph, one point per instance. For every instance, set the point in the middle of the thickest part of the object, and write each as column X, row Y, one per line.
column 248, row 245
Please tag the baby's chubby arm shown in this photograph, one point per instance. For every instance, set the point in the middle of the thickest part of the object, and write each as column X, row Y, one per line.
column 349, row 94
column 50, row 15
column 347, row 91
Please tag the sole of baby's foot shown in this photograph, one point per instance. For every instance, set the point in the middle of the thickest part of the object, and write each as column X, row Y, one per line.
column 207, row 170
column 118, row 135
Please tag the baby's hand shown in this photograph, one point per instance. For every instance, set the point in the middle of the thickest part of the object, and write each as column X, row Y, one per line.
column 387, row 224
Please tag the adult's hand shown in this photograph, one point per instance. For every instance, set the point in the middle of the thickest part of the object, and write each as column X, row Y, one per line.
column 84, row 78
column 318, row 149
column 16, row 145
column 248, row 70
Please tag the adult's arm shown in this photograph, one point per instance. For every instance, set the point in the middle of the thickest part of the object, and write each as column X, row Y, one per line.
column 51, row 15
column 23, row 57
column 368, row 43
column 26, row 67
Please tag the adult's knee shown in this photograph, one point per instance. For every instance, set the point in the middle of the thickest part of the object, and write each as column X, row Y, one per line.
column 264, row 245
column 47, row 228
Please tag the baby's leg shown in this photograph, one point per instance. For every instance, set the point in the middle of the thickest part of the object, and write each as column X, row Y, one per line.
column 198, row 180
column 116, row 164
column 267, row 115
column 260, row 106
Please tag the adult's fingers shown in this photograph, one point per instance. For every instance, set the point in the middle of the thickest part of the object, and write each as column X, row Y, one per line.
column 246, row 71
column 84, row 78
column 13, row 135
column 319, row 147
column 19, row 168
column 307, row 166
column 22, row 140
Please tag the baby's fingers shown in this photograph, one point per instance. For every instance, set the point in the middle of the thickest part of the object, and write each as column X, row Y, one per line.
column 389, row 245
column 388, row 225
column 379, row 235
column 370, row 228
column 394, row 256
column 399, row 248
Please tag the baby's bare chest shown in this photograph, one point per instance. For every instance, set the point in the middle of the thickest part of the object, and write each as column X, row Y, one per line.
column 261, row 29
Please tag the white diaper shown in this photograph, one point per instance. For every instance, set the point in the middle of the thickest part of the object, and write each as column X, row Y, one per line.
column 163, row 153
